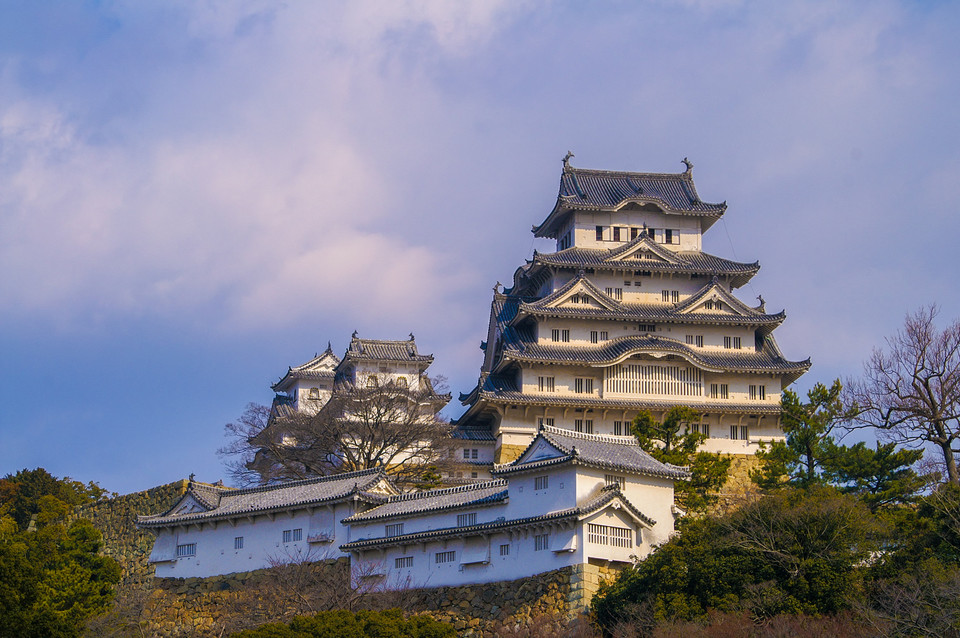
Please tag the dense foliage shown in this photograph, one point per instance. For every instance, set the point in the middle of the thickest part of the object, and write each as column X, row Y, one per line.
column 52, row 578
column 346, row 624
column 671, row 440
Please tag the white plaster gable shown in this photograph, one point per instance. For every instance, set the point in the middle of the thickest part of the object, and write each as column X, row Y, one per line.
column 539, row 451
column 644, row 249
column 581, row 288
column 617, row 510
column 187, row 505
column 714, row 293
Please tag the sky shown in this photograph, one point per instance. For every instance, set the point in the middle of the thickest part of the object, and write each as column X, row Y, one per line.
column 196, row 195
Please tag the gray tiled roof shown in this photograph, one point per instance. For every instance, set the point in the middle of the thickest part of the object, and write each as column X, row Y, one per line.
column 379, row 349
column 749, row 360
column 467, row 433
column 243, row 502
column 689, row 262
column 598, row 450
column 416, row 503
column 305, row 370
column 589, row 507
column 648, row 312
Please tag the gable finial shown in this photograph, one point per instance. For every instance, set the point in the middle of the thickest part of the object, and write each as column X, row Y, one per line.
column 329, row 347
column 411, row 336
column 496, row 287
column 581, row 273
column 191, row 476
column 354, row 335
column 566, row 159
column 688, row 164
column 763, row 304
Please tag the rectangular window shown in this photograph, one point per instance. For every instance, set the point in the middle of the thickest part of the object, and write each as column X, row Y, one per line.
column 667, row 236
column 583, row 425
column 565, row 336
column 474, row 453
column 699, row 341
column 752, row 392
column 613, row 479
column 633, row 233
column 736, row 343
column 541, row 482
column 545, row 420
column 546, row 384
column 445, row 557
column 609, row 535
column 727, row 342
column 463, row 520
column 618, row 294
column 604, row 335
column 763, row 392
column 618, row 428
column 583, row 386
column 675, row 296
column 298, row 534
column 652, row 233
column 238, row 542
column 665, row 296
column 466, row 453
column 719, row 391
column 555, row 335
column 187, row 549
column 708, row 305
column 616, row 233
column 741, row 432
column 396, row 529
column 541, row 542
column 599, row 233
column 403, row 562
column 594, row 336
column 505, row 550
column 287, row 535
column 690, row 340
column 647, row 327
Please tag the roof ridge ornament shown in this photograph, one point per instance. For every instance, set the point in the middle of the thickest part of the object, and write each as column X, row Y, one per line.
column 763, row 304
column 566, row 160
column 689, row 166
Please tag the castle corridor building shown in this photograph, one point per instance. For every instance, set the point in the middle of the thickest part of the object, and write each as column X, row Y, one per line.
column 628, row 314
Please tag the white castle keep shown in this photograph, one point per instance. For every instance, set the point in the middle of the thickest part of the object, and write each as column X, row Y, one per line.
column 628, row 314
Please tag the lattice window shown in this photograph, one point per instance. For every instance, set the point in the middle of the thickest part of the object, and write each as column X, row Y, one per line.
column 541, row 542
column 403, row 562
column 187, row 549
column 464, row 520
column 655, row 379
column 609, row 535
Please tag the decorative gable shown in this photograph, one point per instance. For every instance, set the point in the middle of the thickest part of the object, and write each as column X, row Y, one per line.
column 540, row 450
column 187, row 505
column 645, row 250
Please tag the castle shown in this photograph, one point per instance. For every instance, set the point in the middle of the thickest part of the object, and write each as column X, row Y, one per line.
column 627, row 314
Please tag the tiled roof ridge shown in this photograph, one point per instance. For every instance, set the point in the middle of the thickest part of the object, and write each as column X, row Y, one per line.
column 655, row 248
column 602, row 438
column 307, row 481
column 412, row 496
column 580, row 279
column 684, row 258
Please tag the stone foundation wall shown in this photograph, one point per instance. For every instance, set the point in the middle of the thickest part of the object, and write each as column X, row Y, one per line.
column 116, row 518
column 738, row 488
column 216, row 606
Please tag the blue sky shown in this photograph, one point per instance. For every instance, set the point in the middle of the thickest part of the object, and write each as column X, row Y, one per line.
column 196, row 195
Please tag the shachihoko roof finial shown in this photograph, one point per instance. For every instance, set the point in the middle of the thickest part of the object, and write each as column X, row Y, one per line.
column 688, row 164
column 496, row 287
column 354, row 335
column 411, row 336
column 566, row 159
column 329, row 347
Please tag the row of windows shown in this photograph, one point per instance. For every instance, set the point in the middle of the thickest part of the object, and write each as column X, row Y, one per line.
column 583, row 385
column 470, row 453
column 620, row 233
column 597, row 337
column 450, row 556
column 616, row 293
column 292, row 535
column 622, row 428
column 731, row 342
column 670, row 296
column 560, row 335
column 583, row 425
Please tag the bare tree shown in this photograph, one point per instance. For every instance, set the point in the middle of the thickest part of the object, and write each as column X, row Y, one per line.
column 910, row 390
column 359, row 428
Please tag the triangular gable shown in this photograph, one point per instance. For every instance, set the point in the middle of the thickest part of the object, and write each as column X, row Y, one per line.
column 714, row 299
column 324, row 362
column 383, row 486
column 619, row 510
column 540, row 450
column 578, row 293
column 187, row 504
column 643, row 250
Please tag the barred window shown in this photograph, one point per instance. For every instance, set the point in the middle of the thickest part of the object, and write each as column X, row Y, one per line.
column 555, row 334
column 287, row 535
column 647, row 327
column 403, row 562
column 187, row 549
column 613, row 479
column 719, row 391
column 546, row 384
column 565, row 336
column 699, row 341
column 609, row 535
column 741, row 432
column 396, row 529
column 616, row 233
column 541, row 542
column 604, row 335
column 631, row 378
column 619, row 428
column 463, row 520
column 445, row 557
column 594, row 336
column 505, row 550
column 583, row 386
column 238, row 542
column 541, row 482
column 599, row 233
column 583, row 425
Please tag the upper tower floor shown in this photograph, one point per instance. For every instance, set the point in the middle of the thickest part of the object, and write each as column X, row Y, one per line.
column 606, row 209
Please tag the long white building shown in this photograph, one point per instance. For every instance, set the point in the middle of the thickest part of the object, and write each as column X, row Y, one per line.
column 569, row 499
column 628, row 314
